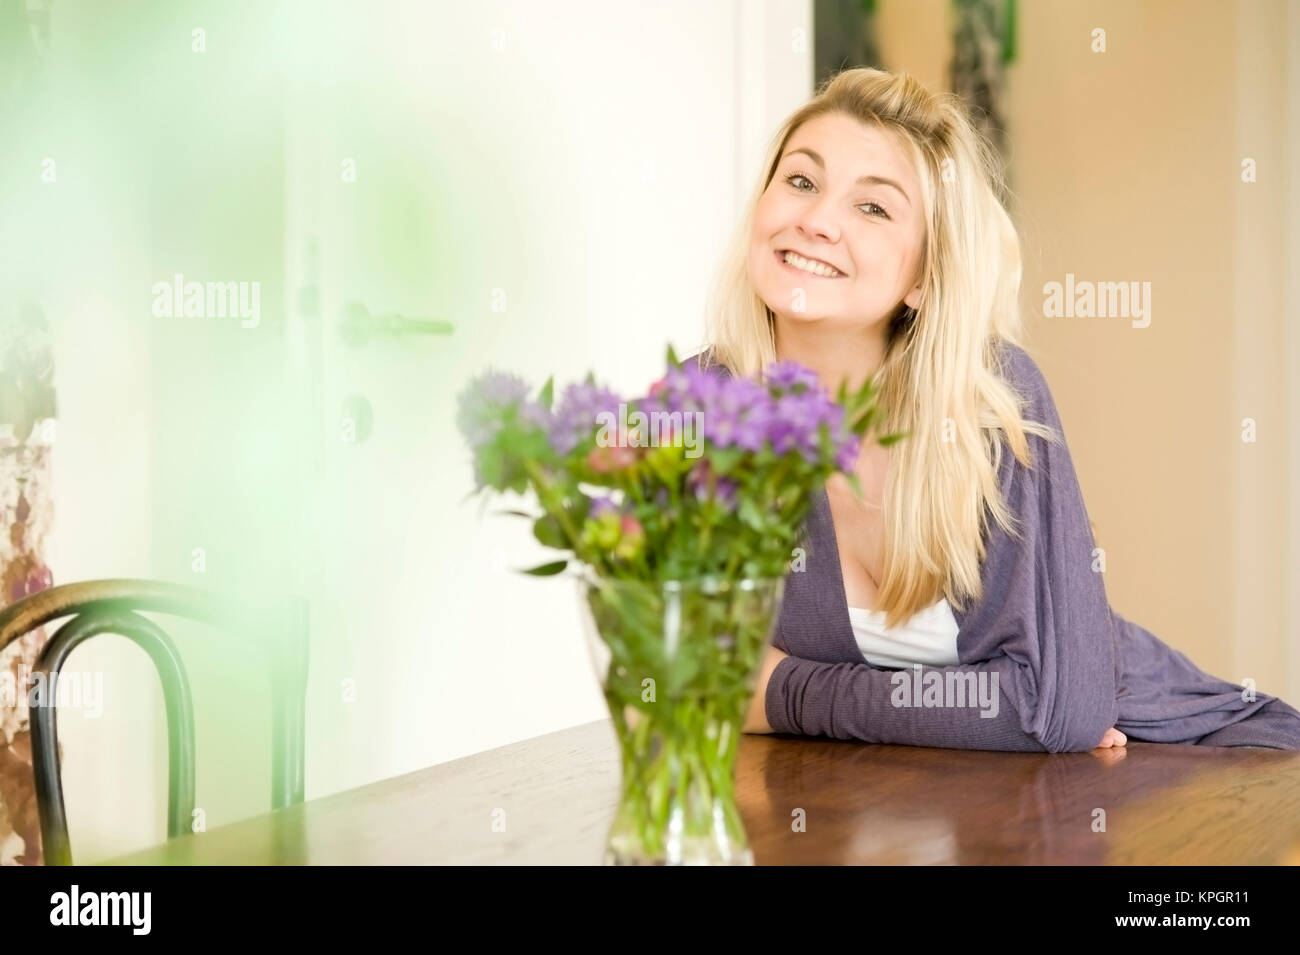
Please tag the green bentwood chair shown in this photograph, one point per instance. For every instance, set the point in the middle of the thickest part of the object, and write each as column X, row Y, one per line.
column 113, row 606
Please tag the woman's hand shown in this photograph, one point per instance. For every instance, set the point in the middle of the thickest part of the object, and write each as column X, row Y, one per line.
column 1112, row 737
column 756, row 721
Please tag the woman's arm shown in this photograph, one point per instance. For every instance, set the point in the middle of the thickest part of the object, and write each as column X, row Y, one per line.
column 862, row 702
column 756, row 721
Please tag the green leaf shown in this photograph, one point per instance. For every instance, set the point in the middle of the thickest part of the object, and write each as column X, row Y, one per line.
column 865, row 419
column 547, row 570
column 515, row 514
column 547, row 530
column 492, row 467
column 894, row 438
column 548, row 392
column 751, row 514
column 672, row 356
column 724, row 460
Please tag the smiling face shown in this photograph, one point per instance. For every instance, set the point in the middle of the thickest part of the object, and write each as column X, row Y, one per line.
column 847, row 201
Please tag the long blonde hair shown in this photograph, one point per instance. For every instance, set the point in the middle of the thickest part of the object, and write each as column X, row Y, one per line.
column 940, row 380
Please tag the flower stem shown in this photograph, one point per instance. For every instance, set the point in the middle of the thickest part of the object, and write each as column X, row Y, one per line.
column 546, row 494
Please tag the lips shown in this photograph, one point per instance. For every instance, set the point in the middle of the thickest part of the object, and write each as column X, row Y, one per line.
column 780, row 258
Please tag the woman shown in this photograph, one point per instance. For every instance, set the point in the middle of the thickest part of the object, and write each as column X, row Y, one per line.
column 960, row 602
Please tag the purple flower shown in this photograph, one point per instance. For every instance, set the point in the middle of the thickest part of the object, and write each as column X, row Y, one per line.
column 845, row 443
column 720, row 427
column 726, row 492
column 785, row 412
column 687, row 389
column 697, row 483
column 802, row 407
column 796, row 423
column 536, row 415
column 753, row 408
column 602, row 505
column 846, row 453
column 575, row 419
column 704, row 387
column 484, row 403
column 754, row 429
column 787, row 374
column 697, row 479
column 734, row 413
column 669, row 392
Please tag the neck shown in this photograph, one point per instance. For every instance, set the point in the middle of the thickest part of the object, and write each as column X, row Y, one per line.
column 836, row 357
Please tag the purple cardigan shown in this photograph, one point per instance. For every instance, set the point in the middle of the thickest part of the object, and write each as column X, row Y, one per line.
column 1046, row 664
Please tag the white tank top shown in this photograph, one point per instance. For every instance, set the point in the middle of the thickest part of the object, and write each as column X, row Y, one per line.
column 929, row 638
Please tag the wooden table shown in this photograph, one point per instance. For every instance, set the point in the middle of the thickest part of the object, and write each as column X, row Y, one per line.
column 864, row 804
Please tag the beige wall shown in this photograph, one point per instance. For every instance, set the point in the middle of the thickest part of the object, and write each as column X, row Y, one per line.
column 1126, row 165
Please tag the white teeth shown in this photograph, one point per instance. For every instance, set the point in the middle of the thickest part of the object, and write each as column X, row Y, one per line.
column 806, row 265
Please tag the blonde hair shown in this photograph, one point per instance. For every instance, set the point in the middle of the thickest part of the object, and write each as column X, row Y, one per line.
column 940, row 380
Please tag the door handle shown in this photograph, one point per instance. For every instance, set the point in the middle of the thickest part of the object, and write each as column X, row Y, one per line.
column 358, row 326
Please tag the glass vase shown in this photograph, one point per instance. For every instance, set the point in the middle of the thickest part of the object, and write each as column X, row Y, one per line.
column 677, row 662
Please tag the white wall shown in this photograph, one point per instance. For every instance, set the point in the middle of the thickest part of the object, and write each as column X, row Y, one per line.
column 599, row 155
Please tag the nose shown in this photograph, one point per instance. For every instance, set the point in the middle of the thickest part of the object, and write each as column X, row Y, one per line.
column 818, row 221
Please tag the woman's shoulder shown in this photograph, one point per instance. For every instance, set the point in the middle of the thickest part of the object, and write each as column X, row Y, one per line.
column 1021, row 371
column 1016, row 365
column 706, row 360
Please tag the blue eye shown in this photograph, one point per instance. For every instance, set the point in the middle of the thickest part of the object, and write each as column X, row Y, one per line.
column 879, row 214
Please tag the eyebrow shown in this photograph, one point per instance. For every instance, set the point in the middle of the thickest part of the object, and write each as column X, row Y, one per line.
column 862, row 180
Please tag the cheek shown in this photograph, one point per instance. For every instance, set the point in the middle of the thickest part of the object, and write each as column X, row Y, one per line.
column 766, row 214
column 910, row 262
column 886, row 254
column 766, row 224
column 757, row 264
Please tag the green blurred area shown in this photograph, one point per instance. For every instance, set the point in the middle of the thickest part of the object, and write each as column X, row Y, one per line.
column 170, row 159
column 188, row 442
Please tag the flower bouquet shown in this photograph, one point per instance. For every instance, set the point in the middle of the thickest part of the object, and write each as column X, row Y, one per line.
column 680, row 513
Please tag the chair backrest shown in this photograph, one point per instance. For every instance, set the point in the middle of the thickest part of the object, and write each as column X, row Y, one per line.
column 113, row 606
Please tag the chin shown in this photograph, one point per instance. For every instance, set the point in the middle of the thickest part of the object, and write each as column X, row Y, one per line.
column 800, row 318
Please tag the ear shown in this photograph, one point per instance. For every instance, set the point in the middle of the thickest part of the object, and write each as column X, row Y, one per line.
column 912, row 298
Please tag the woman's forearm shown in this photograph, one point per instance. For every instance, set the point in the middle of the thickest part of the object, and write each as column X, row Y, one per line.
column 756, row 720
